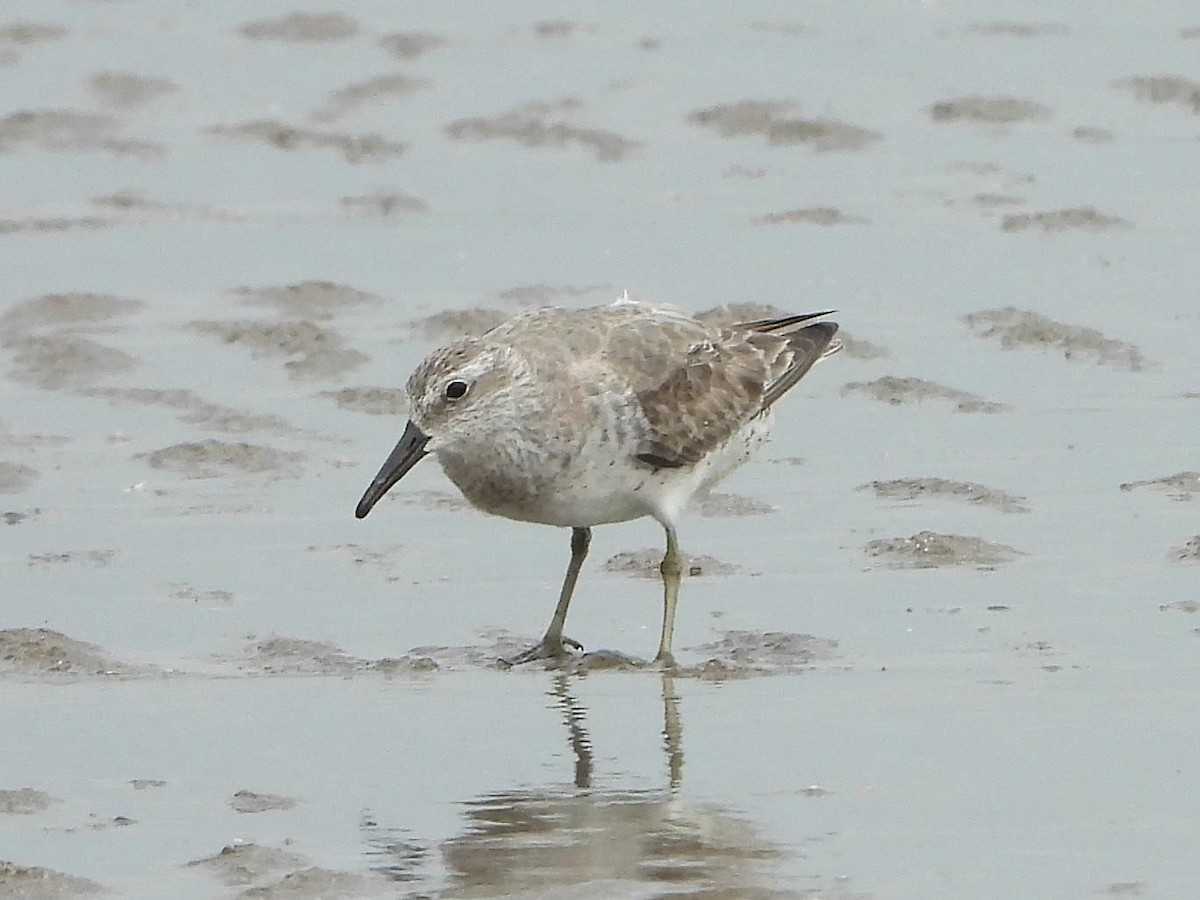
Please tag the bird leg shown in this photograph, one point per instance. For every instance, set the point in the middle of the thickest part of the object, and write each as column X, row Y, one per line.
column 671, row 569
column 553, row 645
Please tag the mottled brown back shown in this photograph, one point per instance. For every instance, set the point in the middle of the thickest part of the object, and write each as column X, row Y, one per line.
column 721, row 383
column 695, row 385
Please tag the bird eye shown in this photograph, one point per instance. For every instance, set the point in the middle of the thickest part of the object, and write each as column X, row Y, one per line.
column 456, row 390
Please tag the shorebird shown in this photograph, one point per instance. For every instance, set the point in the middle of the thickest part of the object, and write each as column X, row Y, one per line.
column 585, row 417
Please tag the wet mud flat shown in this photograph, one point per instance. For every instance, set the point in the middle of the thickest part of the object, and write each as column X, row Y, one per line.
column 923, row 635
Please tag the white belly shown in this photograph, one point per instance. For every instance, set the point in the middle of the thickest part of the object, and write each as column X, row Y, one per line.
column 604, row 484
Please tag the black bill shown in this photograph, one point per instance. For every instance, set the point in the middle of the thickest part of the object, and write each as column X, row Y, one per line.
column 406, row 455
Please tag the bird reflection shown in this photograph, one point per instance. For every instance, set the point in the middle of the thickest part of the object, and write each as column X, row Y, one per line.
column 581, row 744
column 605, row 841
column 574, row 715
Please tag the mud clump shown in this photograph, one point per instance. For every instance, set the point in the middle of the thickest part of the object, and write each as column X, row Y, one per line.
column 25, row 801
column 532, row 126
column 859, row 348
column 819, row 215
column 136, row 208
column 1187, row 552
column 548, row 294
column 297, row 656
column 242, row 864
column 374, row 401
column 45, row 336
column 455, row 323
column 775, row 120
column 605, row 661
column 82, row 311
column 645, row 564
column 57, row 361
column 1181, row 485
column 94, row 558
column 312, row 352
column 19, row 441
column 1189, row 607
column 354, row 148
column 930, row 550
column 128, row 90
column 988, row 110
column 717, row 505
column 408, row 45
column 316, row 882
column 15, row 477
column 751, row 652
column 1078, row 218
column 28, row 33
column 210, row 598
column 249, row 802
column 1164, row 89
column 346, row 100
column 301, row 28
column 36, row 883
column 213, row 459
column 67, row 131
column 1017, row 328
column 920, row 488
column 318, row 300
column 195, row 410
column 897, row 391
column 38, row 652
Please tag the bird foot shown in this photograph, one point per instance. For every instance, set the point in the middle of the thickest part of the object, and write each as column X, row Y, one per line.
column 547, row 648
column 665, row 661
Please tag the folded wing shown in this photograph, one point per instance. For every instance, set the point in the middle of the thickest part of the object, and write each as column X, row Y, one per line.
column 724, row 381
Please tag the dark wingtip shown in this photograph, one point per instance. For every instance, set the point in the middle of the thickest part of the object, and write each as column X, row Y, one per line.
column 777, row 324
column 809, row 344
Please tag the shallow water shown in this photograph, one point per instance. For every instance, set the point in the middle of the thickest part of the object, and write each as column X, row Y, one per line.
column 943, row 636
